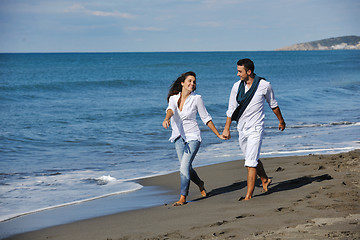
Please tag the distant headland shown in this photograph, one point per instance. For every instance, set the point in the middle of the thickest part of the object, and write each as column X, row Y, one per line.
column 337, row 43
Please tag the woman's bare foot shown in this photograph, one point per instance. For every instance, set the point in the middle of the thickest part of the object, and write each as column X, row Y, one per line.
column 181, row 201
column 202, row 189
column 266, row 185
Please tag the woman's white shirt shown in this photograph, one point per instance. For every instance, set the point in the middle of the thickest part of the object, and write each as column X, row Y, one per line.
column 183, row 123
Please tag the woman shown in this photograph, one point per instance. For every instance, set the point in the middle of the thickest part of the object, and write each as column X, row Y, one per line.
column 181, row 112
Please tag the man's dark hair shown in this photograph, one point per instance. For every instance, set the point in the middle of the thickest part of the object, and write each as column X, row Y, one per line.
column 247, row 63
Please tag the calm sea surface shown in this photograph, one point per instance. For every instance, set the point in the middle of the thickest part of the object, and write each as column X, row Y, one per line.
column 79, row 126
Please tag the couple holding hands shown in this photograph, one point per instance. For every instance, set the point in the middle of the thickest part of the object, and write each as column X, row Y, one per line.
column 246, row 106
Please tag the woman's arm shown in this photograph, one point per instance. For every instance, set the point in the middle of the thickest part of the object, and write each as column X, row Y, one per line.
column 211, row 125
column 203, row 113
column 206, row 118
column 169, row 114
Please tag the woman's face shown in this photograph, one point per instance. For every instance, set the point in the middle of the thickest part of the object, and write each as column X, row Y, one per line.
column 189, row 84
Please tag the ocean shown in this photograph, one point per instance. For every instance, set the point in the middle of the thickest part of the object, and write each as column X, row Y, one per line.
column 79, row 126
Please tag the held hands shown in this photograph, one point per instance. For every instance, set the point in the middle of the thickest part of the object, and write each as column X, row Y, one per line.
column 226, row 134
column 222, row 137
column 211, row 125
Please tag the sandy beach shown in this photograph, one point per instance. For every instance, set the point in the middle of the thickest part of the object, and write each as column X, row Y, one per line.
column 310, row 197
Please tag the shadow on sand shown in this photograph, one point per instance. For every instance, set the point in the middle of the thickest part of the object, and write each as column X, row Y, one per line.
column 296, row 183
column 274, row 187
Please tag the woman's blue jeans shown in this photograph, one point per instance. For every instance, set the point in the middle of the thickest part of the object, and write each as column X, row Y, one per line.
column 186, row 152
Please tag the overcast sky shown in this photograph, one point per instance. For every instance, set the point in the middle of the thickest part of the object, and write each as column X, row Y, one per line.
column 171, row 25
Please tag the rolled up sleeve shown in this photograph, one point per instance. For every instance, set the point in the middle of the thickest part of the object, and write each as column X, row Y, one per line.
column 270, row 97
column 172, row 104
column 204, row 115
column 233, row 104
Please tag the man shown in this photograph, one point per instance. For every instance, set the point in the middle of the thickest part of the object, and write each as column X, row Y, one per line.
column 246, row 106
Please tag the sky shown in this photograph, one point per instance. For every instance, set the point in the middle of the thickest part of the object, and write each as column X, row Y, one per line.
column 171, row 25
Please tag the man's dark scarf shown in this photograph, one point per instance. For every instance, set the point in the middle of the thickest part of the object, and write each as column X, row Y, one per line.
column 244, row 98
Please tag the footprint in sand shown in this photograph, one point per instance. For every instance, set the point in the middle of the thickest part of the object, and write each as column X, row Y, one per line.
column 284, row 209
column 279, row 169
column 219, row 223
column 244, row 216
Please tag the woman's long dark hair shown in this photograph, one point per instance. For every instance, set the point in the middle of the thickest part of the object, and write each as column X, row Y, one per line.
column 176, row 87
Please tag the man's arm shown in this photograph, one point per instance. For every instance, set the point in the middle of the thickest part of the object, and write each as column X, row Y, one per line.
column 278, row 114
column 231, row 108
column 226, row 131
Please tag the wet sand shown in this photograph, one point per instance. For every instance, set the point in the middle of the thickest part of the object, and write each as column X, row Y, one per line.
column 310, row 197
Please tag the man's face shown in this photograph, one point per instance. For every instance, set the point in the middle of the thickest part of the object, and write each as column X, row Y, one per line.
column 242, row 73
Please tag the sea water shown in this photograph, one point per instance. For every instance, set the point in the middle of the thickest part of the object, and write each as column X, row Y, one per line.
column 79, row 126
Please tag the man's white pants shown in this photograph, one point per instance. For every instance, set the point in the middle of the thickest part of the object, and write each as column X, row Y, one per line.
column 250, row 141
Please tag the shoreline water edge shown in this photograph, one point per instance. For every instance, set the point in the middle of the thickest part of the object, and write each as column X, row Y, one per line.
column 136, row 186
column 290, row 174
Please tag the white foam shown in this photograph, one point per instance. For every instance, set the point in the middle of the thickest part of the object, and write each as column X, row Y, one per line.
column 344, row 123
column 299, row 136
column 105, row 180
column 306, row 151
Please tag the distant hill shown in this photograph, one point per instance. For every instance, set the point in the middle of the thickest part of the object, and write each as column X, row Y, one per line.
column 338, row 43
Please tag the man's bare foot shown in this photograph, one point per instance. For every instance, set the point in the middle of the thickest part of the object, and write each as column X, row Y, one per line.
column 244, row 198
column 202, row 189
column 181, row 201
column 266, row 185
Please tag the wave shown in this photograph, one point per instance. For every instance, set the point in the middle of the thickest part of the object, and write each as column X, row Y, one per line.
column 313, row 125
column 306, row 151
column 103, row 180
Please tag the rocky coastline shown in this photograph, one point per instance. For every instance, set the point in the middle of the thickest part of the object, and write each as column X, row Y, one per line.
column 338, row 43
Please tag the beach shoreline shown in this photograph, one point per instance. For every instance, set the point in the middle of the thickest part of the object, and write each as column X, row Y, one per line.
column 313, row 196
